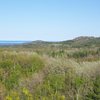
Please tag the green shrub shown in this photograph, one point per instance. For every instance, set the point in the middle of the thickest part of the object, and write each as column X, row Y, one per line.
column 7, row 64
column 80, row 54
column 30, row 64
column 95, row 93
column 11, row 81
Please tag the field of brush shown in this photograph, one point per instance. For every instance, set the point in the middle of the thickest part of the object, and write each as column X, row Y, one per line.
column 49, row 73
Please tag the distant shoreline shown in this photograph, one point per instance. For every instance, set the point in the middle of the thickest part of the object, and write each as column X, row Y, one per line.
column 12, row 42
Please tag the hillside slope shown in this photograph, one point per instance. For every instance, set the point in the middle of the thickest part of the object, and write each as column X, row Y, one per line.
column 82, row 41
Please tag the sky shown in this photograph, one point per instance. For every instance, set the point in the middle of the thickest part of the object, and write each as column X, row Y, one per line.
column 49, row 20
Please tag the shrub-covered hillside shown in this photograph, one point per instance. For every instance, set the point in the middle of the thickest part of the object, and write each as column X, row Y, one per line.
column 49, row 73
column 82, row 41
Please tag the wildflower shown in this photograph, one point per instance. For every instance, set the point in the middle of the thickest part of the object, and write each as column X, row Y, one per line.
column 25, row 91
column 62, row 97
column 8, row 98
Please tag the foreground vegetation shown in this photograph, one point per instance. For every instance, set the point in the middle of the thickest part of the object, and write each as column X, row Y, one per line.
column 49, row 73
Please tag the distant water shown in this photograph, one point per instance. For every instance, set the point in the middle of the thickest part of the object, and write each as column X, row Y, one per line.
column 3, row 43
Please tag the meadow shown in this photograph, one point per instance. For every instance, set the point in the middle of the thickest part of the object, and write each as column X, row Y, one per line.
column 49, row 73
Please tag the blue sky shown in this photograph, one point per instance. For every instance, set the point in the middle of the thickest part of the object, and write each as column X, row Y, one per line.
column 51, row 20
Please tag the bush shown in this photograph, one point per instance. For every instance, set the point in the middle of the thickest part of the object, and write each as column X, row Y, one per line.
column 95, row 93
column 30, row 64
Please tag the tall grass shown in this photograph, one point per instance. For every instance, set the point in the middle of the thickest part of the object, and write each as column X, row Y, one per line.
column 55, row 75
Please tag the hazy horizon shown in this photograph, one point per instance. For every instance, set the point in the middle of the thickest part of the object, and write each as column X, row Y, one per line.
column 23, row 41
column 48, row 20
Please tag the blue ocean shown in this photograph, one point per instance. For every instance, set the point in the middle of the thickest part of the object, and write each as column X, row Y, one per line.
column 12, row 42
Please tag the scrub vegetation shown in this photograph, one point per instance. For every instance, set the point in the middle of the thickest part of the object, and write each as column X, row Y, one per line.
column 51, row 71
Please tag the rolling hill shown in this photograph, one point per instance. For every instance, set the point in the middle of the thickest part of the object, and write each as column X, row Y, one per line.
column 78, row 42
